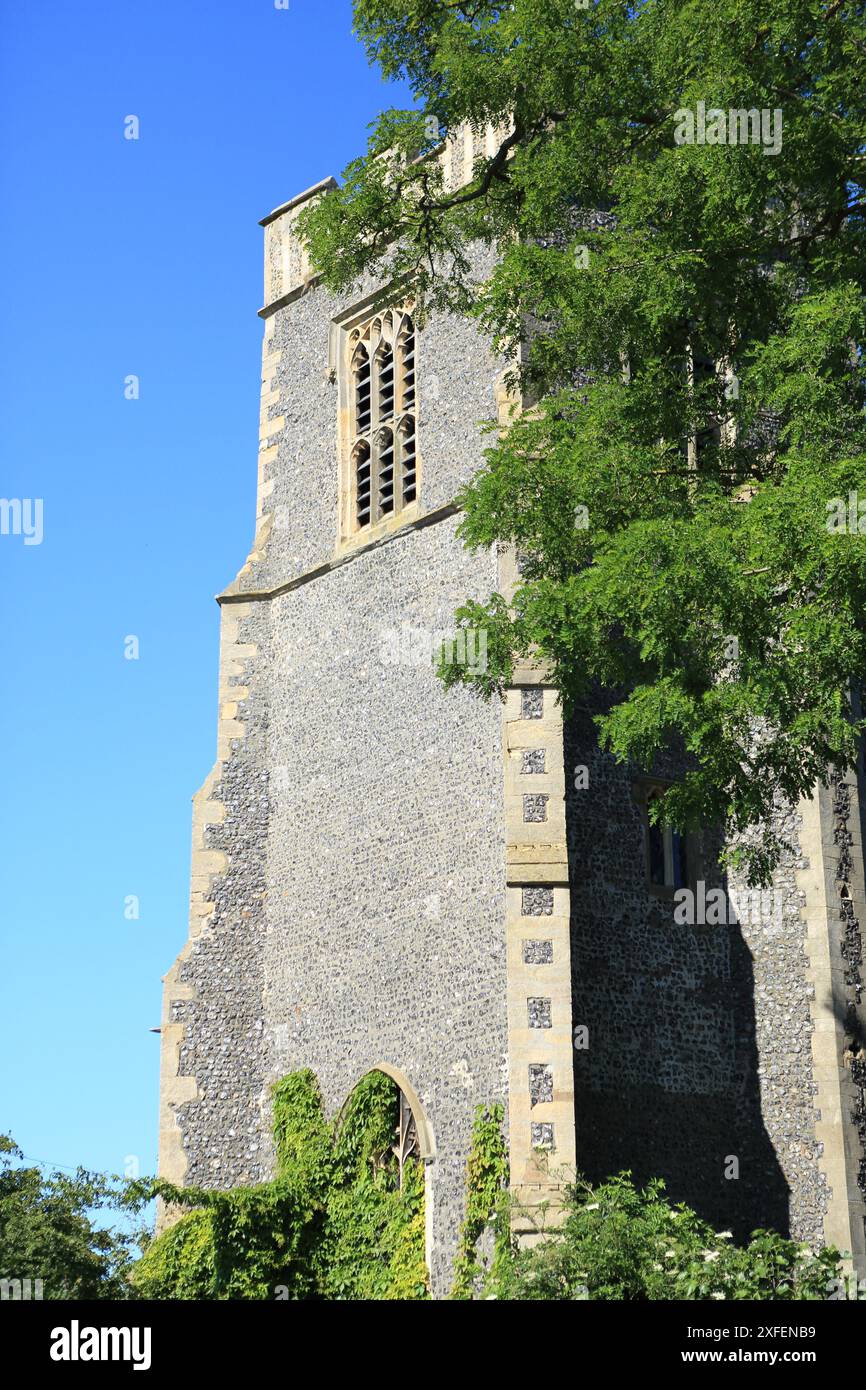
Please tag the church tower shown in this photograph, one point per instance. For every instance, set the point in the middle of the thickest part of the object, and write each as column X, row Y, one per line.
column 469, row 896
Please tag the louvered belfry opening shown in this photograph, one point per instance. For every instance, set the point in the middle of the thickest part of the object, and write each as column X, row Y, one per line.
column 361, row 464
column 383, row 445
column 361, row 370
column 406, row 428
column 406, row 440
column 385, row 453
column 385, row 381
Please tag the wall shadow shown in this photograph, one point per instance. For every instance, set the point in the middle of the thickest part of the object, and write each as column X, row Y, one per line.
column 668, row 1086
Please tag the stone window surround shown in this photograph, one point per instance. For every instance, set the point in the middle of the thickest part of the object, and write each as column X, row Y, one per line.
column 397, row 299
column 643, row 789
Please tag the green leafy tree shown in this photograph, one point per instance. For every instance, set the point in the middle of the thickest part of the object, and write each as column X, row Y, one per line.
column 47, row 1231
column 692, row 313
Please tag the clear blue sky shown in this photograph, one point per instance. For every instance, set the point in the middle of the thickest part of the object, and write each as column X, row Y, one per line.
column 128, row 257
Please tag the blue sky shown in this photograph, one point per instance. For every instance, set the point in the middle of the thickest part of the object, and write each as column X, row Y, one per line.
column 130, row 257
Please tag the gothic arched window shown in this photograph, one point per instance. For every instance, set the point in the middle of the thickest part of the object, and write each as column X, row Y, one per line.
column 667, row 852
column 361, row 466
column 383, row 442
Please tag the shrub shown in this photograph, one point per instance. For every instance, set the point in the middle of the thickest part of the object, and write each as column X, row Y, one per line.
column 617, row 1241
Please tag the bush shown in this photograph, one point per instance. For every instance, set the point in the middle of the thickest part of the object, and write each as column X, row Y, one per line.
column 620, row 1242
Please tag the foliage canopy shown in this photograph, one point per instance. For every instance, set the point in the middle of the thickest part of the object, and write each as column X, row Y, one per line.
column 692, row 319
column 47, row 1230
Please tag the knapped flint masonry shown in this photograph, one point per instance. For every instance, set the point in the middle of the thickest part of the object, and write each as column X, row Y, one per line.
column 385, row 875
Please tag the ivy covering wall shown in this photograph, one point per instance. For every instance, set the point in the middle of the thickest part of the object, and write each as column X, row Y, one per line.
column 335, row 1223
column 485, row 1241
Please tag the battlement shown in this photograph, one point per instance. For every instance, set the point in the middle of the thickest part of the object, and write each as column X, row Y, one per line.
column 287, row 265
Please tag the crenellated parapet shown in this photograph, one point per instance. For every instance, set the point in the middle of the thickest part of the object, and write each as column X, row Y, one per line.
column 288, row 271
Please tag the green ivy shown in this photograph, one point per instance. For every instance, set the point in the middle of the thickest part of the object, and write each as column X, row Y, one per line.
column 335, row 1223
column 375, row 1227
column 486, row 1205
column 181, row 1260
column 247, row 1242
column 303, row 1139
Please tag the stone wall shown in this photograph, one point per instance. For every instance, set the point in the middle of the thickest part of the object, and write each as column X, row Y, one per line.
column 213, row 1038
column 353, row 881
column 386, row 883
column 386, row 886
column 699, row 1035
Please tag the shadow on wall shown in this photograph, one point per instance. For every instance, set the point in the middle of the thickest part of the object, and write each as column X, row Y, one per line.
column 667, row 1085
